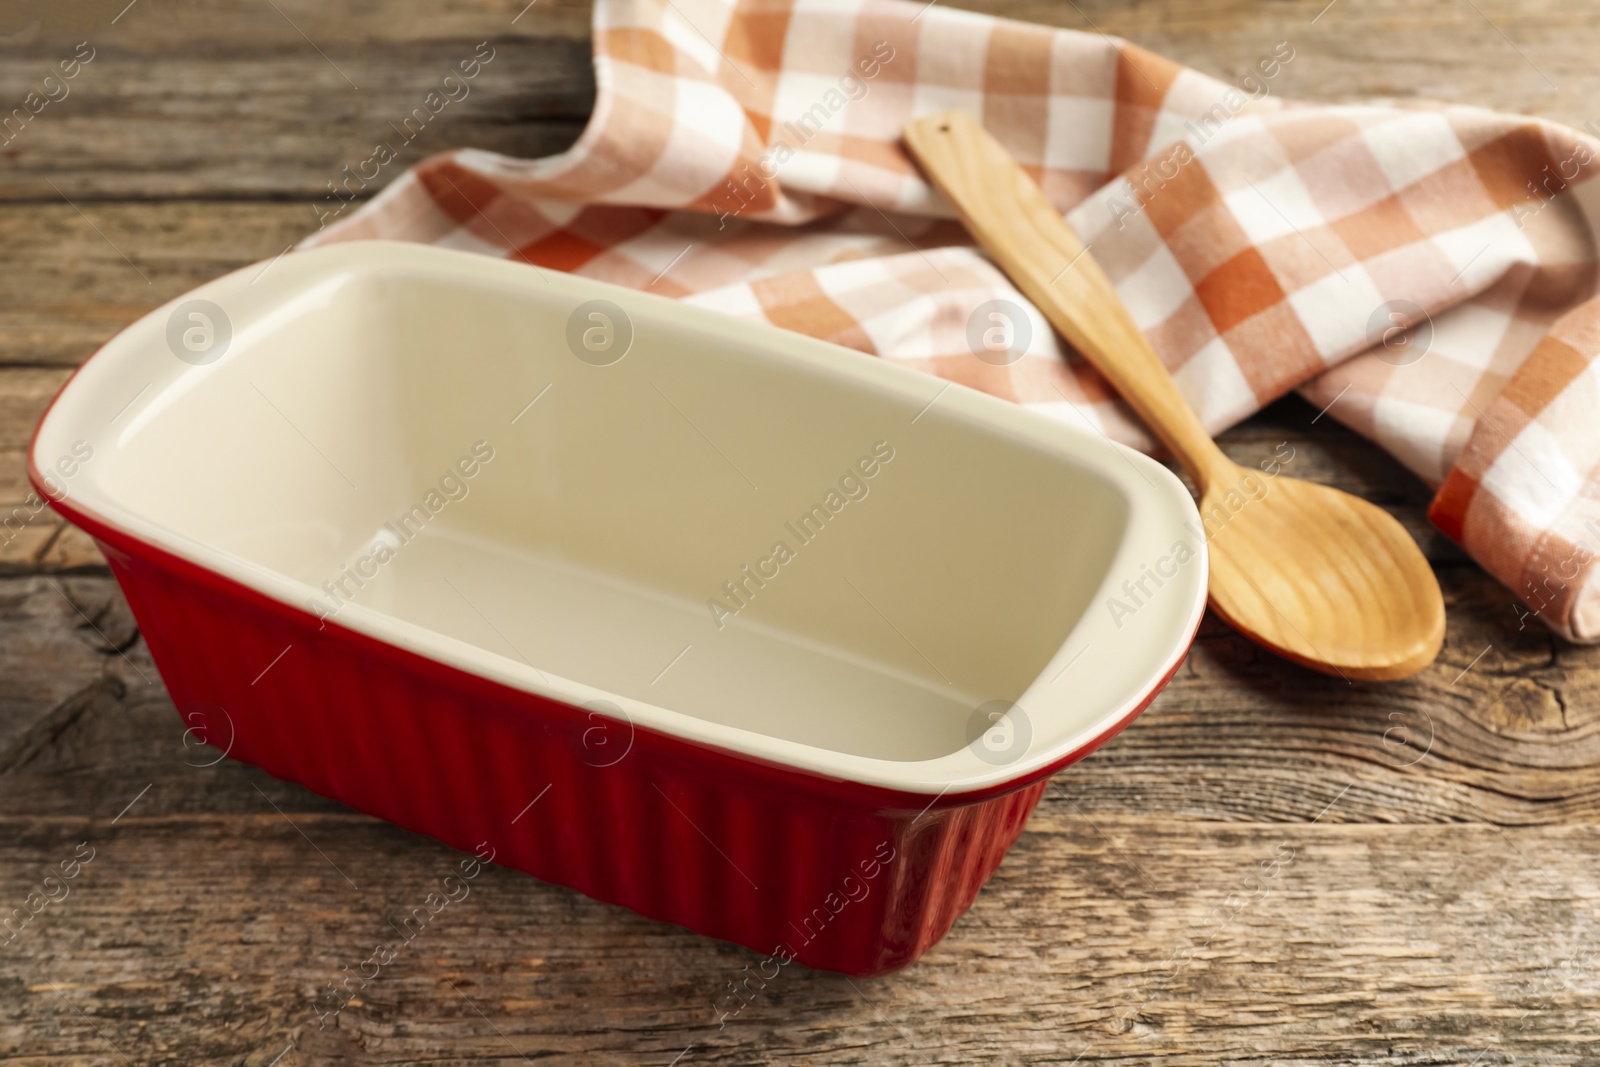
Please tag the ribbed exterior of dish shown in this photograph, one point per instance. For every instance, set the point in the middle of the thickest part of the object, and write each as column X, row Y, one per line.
column 835, row 875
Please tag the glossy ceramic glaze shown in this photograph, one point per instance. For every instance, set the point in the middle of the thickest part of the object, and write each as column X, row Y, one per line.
column 740, row 614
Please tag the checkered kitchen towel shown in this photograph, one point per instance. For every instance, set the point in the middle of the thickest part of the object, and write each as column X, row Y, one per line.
column 1426, row 273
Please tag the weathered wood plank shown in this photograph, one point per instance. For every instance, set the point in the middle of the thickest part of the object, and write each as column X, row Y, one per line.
column 61, row 638
column 1098, row 940
column 141, row 119
column 76, row 279
column 306, row 90
column 1525, row 58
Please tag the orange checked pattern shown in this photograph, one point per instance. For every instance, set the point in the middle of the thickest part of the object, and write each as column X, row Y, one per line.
column 1426, row 274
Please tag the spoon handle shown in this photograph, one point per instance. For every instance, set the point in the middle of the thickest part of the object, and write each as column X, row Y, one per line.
column 1009, row 215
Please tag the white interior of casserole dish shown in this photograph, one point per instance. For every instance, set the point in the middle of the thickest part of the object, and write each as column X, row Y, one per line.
column 401, row 439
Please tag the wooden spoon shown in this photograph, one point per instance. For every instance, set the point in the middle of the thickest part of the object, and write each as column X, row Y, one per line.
column 1315, row 575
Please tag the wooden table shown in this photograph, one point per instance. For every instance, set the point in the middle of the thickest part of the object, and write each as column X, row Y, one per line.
column 1269, row 866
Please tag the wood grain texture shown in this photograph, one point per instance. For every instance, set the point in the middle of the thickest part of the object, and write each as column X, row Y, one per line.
column 273, row 100
column 1320, row 577
column 1439, row 904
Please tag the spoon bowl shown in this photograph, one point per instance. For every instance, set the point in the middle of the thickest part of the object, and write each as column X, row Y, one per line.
column 1314, row 574
column 1322, row 578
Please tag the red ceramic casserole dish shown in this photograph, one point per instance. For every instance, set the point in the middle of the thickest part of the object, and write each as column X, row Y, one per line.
column 733, row 627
